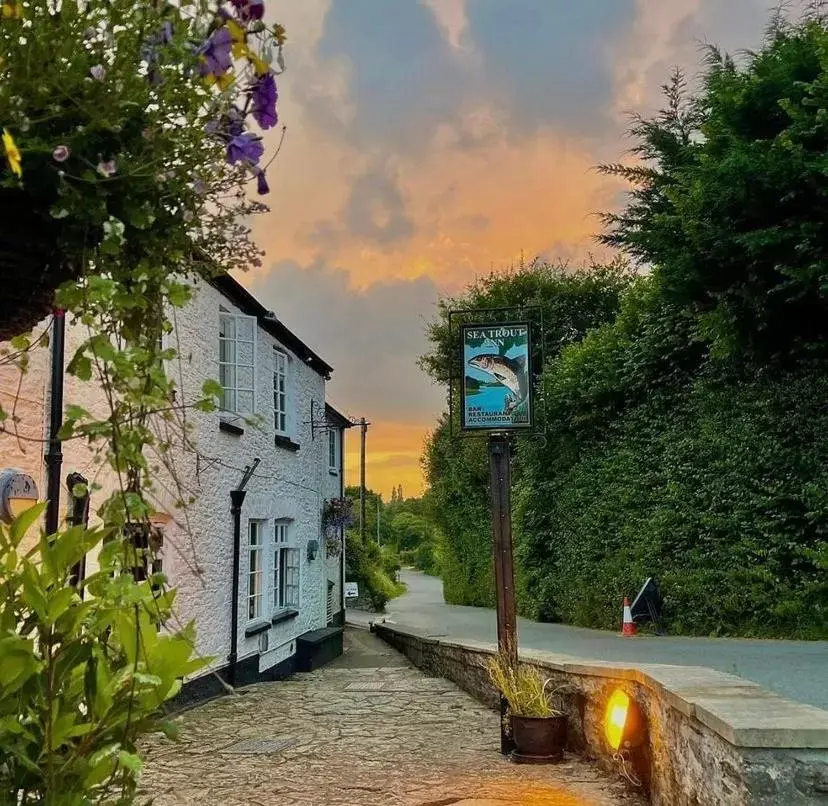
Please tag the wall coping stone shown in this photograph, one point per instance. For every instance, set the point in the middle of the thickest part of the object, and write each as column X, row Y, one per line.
column 741, row 712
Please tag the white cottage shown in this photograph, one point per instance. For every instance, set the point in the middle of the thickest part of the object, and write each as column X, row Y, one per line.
column 249, row 558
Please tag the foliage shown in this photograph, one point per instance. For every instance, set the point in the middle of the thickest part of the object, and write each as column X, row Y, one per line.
column 131, row 138
column 372, row 565
column 523, row 687
column 686, row 437
column 82, row 678
column 132, row 152
column 337, row 515
column 731, row 203
column 457, row 470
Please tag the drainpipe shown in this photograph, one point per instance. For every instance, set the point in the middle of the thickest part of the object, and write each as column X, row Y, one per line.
column 237, row 497
column 54, row 456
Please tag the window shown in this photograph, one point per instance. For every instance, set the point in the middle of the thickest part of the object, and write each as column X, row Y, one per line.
column 333, row 439
column 237, row 359
column 280, row 381
column 284, row 591
column 255, row 574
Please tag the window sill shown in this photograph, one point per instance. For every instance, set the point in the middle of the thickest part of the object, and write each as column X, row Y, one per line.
column 257, row 626
column 284, row 615
column 230, row 428
column 333, row 472
column 286, row 442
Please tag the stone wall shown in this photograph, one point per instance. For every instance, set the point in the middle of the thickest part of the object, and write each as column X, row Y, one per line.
column 712, row 739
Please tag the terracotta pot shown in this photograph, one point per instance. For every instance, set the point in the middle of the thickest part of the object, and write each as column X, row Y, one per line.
column 542, row 737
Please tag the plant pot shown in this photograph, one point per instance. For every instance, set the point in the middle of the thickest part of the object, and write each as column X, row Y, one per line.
column 542, row 738
column 30, row 266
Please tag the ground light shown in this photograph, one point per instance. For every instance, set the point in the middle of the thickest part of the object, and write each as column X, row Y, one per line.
column 18, row 492
column 623, row 722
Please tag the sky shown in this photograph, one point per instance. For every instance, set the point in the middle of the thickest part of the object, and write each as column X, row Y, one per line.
column 429, row 141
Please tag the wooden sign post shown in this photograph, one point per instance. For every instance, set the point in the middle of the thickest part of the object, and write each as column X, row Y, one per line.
column 500, row 449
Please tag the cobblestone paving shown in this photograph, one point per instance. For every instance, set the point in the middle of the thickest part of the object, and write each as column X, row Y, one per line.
column 364, row 731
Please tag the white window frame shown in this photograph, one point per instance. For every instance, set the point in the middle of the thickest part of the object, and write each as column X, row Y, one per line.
column 333, row 450
column 281, row 391
column 282, row 548
column 230, row 397
column 256, row 594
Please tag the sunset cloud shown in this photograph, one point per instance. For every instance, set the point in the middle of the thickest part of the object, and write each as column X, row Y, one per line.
column 431, row 141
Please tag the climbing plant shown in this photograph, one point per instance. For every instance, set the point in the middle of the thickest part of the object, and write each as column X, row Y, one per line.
column 133, row 155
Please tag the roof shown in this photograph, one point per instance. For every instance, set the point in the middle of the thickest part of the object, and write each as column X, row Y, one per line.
column 243, row 299
column 335, row 417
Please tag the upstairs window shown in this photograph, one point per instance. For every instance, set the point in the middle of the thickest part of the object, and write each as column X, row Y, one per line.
column 280, row 392
column 237, row 360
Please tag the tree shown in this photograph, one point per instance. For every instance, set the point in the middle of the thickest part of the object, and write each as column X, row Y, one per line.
column 573, row 302
column 730, row 205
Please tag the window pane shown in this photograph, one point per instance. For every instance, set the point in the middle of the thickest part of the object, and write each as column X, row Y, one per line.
column 244, row 403
column 227, row 326
column 245, row 353
column 245, row 378
column 228, row 400
column 244, row 328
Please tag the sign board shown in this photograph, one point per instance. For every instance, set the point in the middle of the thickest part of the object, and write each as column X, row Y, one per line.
column 496, row 392
column 351, row 590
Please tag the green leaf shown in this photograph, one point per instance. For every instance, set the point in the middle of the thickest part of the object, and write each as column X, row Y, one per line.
column 25, row 521
column 130, row 761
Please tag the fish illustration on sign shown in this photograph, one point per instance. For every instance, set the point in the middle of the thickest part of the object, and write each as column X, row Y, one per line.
column 510, row 372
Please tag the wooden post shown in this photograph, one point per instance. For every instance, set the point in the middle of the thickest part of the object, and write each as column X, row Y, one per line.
column 499, row 464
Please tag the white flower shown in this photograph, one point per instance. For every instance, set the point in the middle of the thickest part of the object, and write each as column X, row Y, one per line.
column 114, row 230
column 98, row 72
column 106, row 168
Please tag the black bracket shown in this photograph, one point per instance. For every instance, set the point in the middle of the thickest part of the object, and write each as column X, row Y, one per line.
column 318, row 425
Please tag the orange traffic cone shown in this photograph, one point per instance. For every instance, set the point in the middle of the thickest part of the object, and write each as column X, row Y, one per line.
column 629, row 629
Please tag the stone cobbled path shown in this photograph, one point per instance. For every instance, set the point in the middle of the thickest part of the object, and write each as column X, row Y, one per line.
column 368, row 729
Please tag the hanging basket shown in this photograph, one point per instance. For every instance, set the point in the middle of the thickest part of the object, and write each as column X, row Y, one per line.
column 30, row 264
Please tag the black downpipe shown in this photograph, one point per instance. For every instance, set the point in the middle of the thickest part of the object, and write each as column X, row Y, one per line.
column 54, row 456
column 237, row 499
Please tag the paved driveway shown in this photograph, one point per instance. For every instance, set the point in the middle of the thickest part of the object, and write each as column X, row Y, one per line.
column 367, row 730
column 795, row 669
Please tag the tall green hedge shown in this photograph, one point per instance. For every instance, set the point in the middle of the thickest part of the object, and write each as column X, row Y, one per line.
column 686, row 435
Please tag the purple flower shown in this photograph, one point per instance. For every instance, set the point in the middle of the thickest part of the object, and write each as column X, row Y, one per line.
column 106, row 168
column 61, row 154
column 166, row 34
column 245, row 147
column 200, row 187
column 98, row 72
column 261, row 183
column 215, row 53
column 249, row 9
column 264, row 96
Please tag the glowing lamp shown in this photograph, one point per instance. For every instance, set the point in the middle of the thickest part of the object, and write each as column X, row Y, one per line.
column 623, row 722
column 18, row 492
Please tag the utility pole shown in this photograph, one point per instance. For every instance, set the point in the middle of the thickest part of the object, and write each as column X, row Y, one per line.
column 363, row 428
column 378, row 520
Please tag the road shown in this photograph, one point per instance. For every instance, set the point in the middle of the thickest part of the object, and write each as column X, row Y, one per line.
column 795, row 669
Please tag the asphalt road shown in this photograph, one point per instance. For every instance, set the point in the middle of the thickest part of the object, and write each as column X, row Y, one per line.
column 795, row 669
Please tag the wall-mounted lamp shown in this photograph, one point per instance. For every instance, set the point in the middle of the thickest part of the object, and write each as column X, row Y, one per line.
column 623, row 722
column 18, row 492
column 313, row 548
